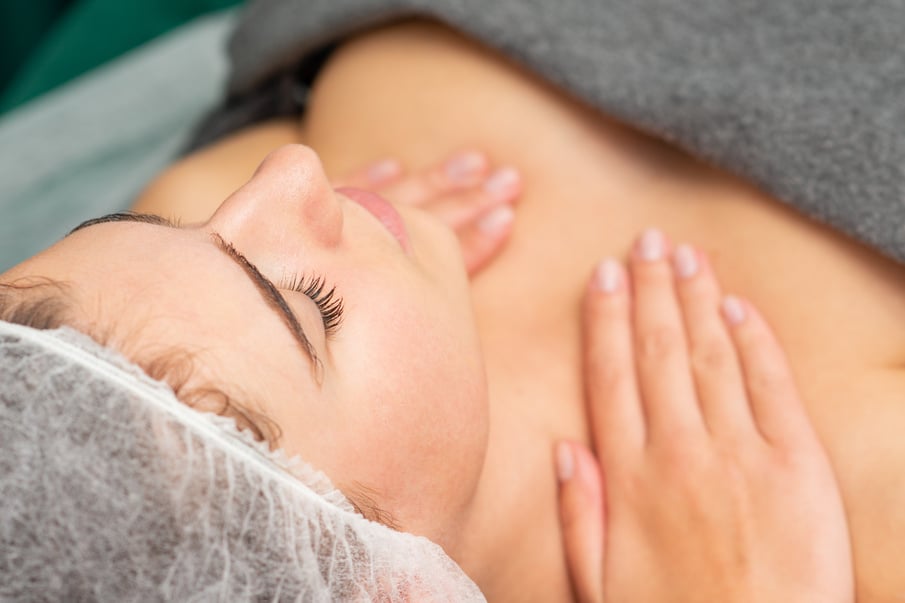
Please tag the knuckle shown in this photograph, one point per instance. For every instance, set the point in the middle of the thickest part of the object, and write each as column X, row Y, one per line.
column 795, row 458
column 609, row 377
column 766, row 383
column 734, row 480
column 632, row 485
column 659, row 341
column 707, row 474
column 684, row 465
column 603, row 309
column 735, row 451
column 712, row 357
column 685, row 446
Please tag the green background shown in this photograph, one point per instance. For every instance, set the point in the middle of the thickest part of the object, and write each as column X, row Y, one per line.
column 44, row 43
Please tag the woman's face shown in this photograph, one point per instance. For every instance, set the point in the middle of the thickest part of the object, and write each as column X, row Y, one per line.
column 395, row 402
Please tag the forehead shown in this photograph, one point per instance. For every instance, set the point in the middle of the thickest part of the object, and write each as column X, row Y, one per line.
column 119, row 244
column 124, row 264
column 173, row 285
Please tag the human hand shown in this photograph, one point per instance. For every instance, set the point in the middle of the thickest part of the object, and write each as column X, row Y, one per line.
column 462, row 191
column 716, row 487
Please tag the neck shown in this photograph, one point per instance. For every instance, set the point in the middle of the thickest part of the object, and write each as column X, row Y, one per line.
column 512, row 545
column 525, row 302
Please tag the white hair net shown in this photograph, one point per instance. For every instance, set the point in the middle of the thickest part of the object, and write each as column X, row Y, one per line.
column 113, row 490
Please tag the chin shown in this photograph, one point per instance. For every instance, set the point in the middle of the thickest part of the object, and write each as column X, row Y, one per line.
column 435, row 244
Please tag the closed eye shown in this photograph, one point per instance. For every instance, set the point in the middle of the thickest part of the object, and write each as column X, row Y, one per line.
column 267, row 289
column 327, row 301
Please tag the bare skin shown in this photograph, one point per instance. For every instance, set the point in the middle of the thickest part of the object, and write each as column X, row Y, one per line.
column 475, row 202
column 341, row 376
column 739, row 515
column 591, row 184
column 712, row 484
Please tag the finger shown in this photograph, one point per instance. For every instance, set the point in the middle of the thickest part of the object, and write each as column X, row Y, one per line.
column 581, row 514
column 457, row 208
column 661, row 352
column 614, row 404
column 374, row 176
column 775, row 403
column 463, row 170
column 714, row 364
column 482, row 239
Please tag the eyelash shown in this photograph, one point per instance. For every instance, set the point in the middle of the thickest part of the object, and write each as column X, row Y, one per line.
column 327, row 301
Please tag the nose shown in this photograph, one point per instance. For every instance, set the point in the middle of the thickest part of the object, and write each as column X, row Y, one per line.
column 288, row 203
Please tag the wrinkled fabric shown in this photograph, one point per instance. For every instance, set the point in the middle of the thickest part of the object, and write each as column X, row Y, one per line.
column 803, row 98
column 113, row 490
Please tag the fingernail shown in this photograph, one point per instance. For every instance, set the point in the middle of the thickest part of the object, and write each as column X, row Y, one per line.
column 686, row 261
column 383, row 170
column 496, row 220
column 502, row 184
column 465, row 166
column 606, row 276
column 651, row 245
column 565, row 462
column 733, row 310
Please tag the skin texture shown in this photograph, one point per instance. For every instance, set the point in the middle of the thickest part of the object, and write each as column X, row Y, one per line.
column 591, row 185
column 359, row 415
column 322, row 416
column 417, row 92
column 716, row 486
column 463, row 192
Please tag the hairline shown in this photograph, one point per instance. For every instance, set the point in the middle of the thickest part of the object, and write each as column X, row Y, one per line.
column 173, row 366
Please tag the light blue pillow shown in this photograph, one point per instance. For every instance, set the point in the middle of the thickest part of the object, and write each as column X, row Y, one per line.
column 90, row 147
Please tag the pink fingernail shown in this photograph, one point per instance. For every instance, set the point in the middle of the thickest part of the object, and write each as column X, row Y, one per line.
column 565, row 462
column 651, row 246
column 607, row 275
column 686, row 261
column 502, row 184
column 383, row 170
column 733, row 310
column 465, row 166
column 496, row 220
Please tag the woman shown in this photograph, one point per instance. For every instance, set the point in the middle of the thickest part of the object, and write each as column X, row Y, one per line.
column 406, row 439
column 607, row 182
column 416, row 90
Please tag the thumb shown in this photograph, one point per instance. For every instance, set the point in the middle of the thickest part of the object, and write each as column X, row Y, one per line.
column 581, row 516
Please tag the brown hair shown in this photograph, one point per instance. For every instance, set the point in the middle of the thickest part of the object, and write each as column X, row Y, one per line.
column 43, row 303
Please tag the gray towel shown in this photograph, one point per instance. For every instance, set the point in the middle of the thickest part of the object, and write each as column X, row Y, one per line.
column 803, row 98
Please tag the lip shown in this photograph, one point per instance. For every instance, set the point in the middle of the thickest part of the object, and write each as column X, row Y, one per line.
column 381, row 209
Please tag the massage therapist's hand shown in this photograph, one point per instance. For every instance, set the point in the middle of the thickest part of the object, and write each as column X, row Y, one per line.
column 463, row 191
column 716, row 487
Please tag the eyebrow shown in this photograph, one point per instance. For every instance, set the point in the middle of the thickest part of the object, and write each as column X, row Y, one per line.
column 265, row 287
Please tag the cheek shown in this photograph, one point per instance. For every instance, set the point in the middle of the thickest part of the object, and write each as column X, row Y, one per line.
column 424, row 374
column 419, row 405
